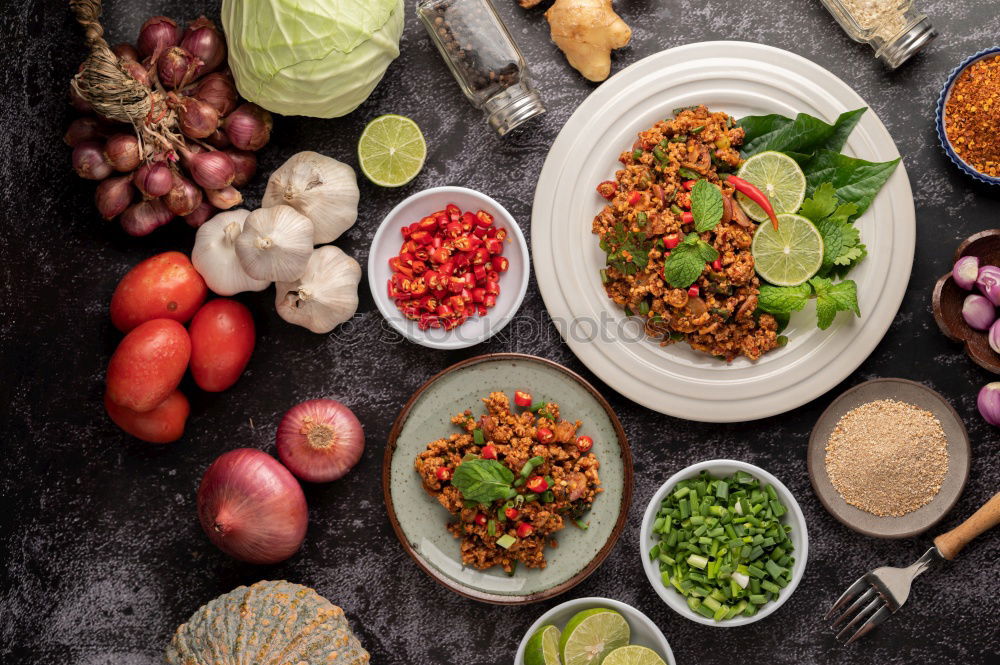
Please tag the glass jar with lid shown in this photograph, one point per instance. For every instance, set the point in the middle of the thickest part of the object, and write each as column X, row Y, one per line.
column 896, row 29
column 483, row 58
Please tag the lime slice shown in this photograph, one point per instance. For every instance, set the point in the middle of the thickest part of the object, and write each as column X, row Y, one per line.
column 790, row 255
column 591, row 635
column 543, row 647
column 777, row 175
column 633, row 655
column 391, row 150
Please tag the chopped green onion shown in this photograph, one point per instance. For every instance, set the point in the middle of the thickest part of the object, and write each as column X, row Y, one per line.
column 637, row 153
column 477, row 437
column 491, row 527
column 506, row 540
column 581, row 524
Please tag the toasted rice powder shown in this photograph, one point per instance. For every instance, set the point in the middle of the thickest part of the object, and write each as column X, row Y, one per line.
column 887, row 457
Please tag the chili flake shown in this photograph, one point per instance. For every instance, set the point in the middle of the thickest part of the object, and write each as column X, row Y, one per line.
column 972, row 116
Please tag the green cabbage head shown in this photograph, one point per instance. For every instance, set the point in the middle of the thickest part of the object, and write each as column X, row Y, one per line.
column 320, row 58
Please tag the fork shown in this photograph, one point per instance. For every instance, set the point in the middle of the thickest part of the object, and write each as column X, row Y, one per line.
column 877, row 595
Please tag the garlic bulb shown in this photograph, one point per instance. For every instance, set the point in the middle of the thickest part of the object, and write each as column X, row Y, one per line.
column 319, row 187
column 325, row 296
column 214, row 255
column 275, row 244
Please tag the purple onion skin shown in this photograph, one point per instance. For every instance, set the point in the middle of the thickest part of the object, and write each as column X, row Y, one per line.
column 202, row 40
column 158, row 32
column 988, row 403
column 978, row 312
column 965, row 272
column 988, row 283
column 994, row 336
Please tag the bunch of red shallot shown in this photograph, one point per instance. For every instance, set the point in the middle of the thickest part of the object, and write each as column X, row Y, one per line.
column 165, row 132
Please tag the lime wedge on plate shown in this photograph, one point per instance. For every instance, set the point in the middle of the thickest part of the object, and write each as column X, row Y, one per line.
column 633, row 655
column 777, row 175
column 391, row 150
column 790, row 255
column 543, row 647
column 591, row 635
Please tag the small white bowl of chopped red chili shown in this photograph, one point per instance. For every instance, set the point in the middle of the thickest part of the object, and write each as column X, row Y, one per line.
column 958, row 121
column 690, row 562
column 448, row 267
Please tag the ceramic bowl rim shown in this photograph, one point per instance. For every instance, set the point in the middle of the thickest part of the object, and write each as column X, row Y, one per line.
column 500, row 599
column 626, row 610
column 388, row 309
column 962, row 165
column 670, row 596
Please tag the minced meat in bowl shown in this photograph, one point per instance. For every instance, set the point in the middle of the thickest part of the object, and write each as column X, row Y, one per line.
column 511, row 479
column 648, row 215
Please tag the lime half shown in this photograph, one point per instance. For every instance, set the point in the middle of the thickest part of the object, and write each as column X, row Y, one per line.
column 543, row 647
column 391, row 150
column 790, row 255
column 591, row 635
column 777, row 175
column 633, row 655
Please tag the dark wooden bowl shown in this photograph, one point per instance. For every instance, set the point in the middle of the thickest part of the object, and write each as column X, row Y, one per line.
column 948, row 298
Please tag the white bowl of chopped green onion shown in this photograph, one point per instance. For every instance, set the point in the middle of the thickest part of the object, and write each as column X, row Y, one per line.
column 724, row 543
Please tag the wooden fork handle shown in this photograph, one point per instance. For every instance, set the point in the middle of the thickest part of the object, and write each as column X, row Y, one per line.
column 984, row 519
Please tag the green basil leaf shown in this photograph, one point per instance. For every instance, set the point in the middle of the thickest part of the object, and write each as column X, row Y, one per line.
column 483, row 481
column 706, row 205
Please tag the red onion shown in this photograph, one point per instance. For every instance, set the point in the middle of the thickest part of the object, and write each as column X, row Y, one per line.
column 113, row 196
column 246, row 165
column 139, row 72
column 89, row 162
column 988, row 283
column 218, row 139
column 175, row 67
column 82, row 129
column 211, row 170
column 320, row 440
column 144, row 217
column 251, row 507
column 122, row 152
column 196, row 118
column 78, row 102
column 201, row 214
column 158, row 33
column 248, row 127
column 218, row 90
column 126, row 52
column 184, row 196
column 202, row 40
column 965, row 272
column 225, row 198
column 988, row 402
column 978, row 312
column 153, row 179
column 994, row 336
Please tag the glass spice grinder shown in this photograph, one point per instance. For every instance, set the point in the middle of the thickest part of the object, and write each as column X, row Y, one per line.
column 896, row 29
column 483, row 58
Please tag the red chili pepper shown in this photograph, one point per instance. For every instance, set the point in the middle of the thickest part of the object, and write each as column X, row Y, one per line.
column 489, row 451
column 512, row 513
column 693, row 291
column 634, row 197
column 688, row 184
column 751, row 191
column 442, row 473
column 522, row 398
column 481, row 519
column 524, row 530
column 584, row 443
column 672, row 240
column 537, row 484
column 607, row 189
column 717, row 265
column 544, row 435
column 686, row 218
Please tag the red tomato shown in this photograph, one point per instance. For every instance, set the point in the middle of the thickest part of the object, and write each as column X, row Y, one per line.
column 165, row 286
column 222, row 339
column 148, row 365
column 165, row 423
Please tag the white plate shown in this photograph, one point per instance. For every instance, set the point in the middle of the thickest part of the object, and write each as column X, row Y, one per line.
column 742, row 79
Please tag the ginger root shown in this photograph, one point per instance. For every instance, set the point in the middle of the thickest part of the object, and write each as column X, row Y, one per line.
column 587, row 31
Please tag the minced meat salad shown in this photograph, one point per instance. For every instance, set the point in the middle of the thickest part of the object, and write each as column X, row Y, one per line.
column 512, row 478
column 649, row 214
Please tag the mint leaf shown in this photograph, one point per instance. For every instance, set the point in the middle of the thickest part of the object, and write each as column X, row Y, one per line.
column 857, row 181
column 483, row 480
column 783, row 299
column 822, row 204
column 687, row 261
column 706, row 205
column 832, row 298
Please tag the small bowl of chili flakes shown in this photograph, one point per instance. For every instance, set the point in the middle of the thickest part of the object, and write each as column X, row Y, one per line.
column 968, row 114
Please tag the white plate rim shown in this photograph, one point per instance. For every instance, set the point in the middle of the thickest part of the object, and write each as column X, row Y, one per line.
column 621, row 373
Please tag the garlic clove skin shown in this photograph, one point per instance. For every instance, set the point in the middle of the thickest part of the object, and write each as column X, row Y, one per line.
column 319, row 187
column 275, row 244
column 214, row 255
column 325, row 296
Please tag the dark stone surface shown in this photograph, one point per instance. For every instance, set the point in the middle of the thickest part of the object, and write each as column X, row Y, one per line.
column 102, row 552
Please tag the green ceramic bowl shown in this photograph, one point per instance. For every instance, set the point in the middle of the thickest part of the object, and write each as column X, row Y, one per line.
column 420, row 521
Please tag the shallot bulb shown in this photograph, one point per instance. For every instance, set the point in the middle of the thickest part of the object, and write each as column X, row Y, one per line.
column 126, row 52
column 978, row 312
column 325, row 295
column 202, row 40
column 184, row 196
column 965, row 272
column 988, row 403
column 153, row 179
column 214, row 255
column 275, row 244
column 175, row 67
column 248, row 127
column 225, row 198
column 144, row 217
column 211, row 170
column 89, row 161
column 78, row 102
column 246, row 166
column 197, row 119
column 158, row 33
column 320, row 440
column 122, row 152
column 138, row 71
column 200, row 215
column 114, row 195
column 251, row 507
column 319, row 187
column 218, row 90
column 994, row 337
column 218, row 139
column 988, row 283
column 82, row 129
